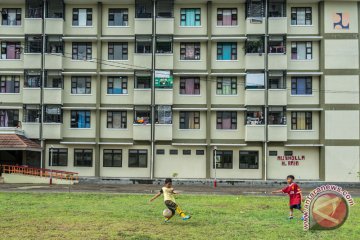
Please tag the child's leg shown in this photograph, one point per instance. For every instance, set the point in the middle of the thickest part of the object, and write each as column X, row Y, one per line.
column 180, row 211
column 291, row 212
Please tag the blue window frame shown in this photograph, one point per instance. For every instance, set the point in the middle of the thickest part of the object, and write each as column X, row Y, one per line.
column 190, row 17
column 226, row 51
column 301, row 86
column 80, row 119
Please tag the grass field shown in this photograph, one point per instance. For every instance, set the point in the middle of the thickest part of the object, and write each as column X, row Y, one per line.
column 112, row 216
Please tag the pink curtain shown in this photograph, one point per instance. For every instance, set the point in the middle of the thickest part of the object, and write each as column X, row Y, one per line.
column 190, row 86
column 10, row 51
column 226, row 123
column 227, row 18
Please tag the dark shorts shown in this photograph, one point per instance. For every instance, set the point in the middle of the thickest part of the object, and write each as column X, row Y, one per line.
column 171, row 205
column 295, row 206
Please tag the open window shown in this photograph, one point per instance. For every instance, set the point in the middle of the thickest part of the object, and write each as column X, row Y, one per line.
column 163, row 114
column 255, row 9
column 34, row 8
column 143, row 8
column 277, row 116
column 255, row 116
column 53, row 114
column 276, row 80
column 32, row 79
column 142, row 80
column 33, row 44
column 277, row 44
column 142, row 115
column 254, row 44
column 255, row 81
column 164, row 44
column 164, row 8
column 53, row 79
column 32, row 113
column 277, row 8
column 55, row 9
column 143, row 44
column 54, row 44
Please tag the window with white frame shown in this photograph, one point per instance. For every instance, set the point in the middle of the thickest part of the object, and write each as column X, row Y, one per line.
column 301, row 86
column 226, row 51
column 190, row 51
column 80, row 119
column 118, row 17
column 9, row 84
column 58, row 157
column 112, row 158
column 189, row 85
column 190, row 17
column 11, row 16
column 117, row 85
column 83, row 157
column 189, row 120
column 227, row 16
column 117, row 119
column 301, row 50
column 301, row 120
column 249, row 160
column 82, row 50
column 138, row 158
column 226, row 120
column 301, row 16
column 81, row 85
column 226, row 86
column 9, row 118
column 82, row 17
column 117, row 51
column 10, row 50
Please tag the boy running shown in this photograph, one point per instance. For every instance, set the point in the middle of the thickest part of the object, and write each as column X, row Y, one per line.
column 169, row 200
column 294, row 192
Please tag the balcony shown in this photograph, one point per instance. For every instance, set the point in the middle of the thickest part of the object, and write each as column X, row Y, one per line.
column 163, row 96
column 142, row 60
column 254, row 61
column 277, row 25
column 163, row 132
column 52, row 130
column 277, row 133
column 53, row 95
column 277, row 97
column 255, row 97
column 255, row 133
column 165, row 26
column 277, row 61
column 54, row 26
column 53, row 61
column 255, row 26
column 32, row 25
column 164, row 61
column 32, row 60
column 31, row 95
column 32, row 130
column 143, row 26
column 142, row 132
column 142, row 96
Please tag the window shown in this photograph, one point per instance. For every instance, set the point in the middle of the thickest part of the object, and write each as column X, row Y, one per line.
column 33, row 44
column 58, row 157
column 249, row 160
column 83, row 157
column 10, row 50
column 276, row 116
column 255, row 8
column 190, row 51
column 54, row 44
column 226, row 120
column 226, row 51
column 226, row 86
column 53, row 79
column 32, row 113
column 163, row 115
column 117, row 85
column 55, row 9
column 138, row 158
column 189, row 120
column 143, row 44
column 255, row 81
column 142, row 115
column 277, row 8
column 255, row 44
column 10, row 84
column 288, row 153
column 223, row 160
column 164, row 44
column 165, row 8
column 32, row 79
column 277, row 44
column 301, row 120
column 190, row 17
column 186, row 152
column 189, row 86
column 200, row 152
column 117, row 51
column 118, row 17
column 301, row 50
column 112, row 158
column 143, row 8
column 227, row 16
column 276, row 80
column 81, row 51
column 173, row 152
column 301, row 86
column 80, row 119
column 142, row 81
column 273, row 153
column 53, row 114
column 117, row 119
column 34, row 8
column 11, row 16
column 255, row 116
column 82, row 17
column 9, row 118
column 301, row 16
column 80, row 85
column 160, row 151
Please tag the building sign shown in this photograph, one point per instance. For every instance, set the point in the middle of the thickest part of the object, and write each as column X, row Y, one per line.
column 341, row 21
column 326, row 208
column 163, row 79
column 290, row 160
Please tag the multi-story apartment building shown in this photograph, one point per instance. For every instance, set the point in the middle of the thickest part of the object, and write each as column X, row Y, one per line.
column 142, row 89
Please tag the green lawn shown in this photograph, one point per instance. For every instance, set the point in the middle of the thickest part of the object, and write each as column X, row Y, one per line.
column 112, row 216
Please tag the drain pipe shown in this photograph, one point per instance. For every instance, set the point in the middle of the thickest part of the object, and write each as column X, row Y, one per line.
column 266, row 89
column 42, row 158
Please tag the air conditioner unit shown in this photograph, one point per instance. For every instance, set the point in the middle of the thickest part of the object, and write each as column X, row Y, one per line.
column 256, row 20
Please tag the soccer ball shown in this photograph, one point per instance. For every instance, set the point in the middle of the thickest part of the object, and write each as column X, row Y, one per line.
column 167, row 213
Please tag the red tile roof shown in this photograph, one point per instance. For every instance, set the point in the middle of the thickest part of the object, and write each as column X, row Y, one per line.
column 17, row 142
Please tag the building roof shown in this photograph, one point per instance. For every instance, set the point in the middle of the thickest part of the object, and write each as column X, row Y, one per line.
column 17, row 142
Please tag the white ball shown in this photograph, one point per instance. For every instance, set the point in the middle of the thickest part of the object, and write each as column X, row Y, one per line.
column 167, row 213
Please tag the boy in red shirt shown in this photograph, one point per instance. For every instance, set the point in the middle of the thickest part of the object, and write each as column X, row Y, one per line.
column 294, row 192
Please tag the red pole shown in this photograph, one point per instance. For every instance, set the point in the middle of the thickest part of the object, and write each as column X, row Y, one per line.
column 215, row 184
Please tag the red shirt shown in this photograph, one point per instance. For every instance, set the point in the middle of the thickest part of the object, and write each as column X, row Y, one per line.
column 294, row 192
